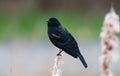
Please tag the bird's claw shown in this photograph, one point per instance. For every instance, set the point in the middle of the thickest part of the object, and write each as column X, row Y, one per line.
column 59, row 54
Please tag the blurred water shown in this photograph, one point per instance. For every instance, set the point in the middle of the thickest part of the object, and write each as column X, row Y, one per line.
column 36, row 58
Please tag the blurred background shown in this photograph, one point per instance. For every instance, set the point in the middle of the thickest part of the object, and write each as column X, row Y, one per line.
column 25, row 49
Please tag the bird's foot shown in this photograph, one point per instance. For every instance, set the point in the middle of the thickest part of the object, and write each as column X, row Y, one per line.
column 59, row 54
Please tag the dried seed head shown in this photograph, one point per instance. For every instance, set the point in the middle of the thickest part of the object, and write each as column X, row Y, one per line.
column 109, row 41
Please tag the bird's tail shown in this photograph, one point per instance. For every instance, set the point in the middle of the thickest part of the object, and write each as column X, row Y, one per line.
column 82, row 59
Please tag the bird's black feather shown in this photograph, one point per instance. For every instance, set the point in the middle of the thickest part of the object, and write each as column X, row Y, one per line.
column 62, row 39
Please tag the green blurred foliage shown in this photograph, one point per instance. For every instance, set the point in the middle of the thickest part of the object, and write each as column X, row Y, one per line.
column 31, row 24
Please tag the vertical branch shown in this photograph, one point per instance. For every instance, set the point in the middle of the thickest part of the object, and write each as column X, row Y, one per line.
column 109, row 41
column 57, row 66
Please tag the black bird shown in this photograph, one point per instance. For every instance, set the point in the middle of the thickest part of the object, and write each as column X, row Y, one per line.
column 62, row 39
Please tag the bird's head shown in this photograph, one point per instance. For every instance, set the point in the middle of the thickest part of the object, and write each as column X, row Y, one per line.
column 53, row 22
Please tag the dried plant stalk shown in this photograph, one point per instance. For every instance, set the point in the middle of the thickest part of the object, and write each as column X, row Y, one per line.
column 57, row 66
column 109, row 42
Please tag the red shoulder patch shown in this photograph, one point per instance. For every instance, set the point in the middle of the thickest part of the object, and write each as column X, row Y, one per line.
column 54, row 35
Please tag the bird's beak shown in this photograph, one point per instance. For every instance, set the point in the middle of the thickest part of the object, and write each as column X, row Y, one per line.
column 47, row 20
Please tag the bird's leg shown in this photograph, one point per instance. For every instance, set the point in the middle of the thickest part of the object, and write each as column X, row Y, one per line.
column 59, row 54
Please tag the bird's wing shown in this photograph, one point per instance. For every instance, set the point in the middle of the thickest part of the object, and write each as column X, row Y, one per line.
column 55, row 35
column 64, row 38
column 58, row 38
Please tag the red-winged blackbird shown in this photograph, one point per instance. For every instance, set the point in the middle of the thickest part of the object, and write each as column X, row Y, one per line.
column 62, row 39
